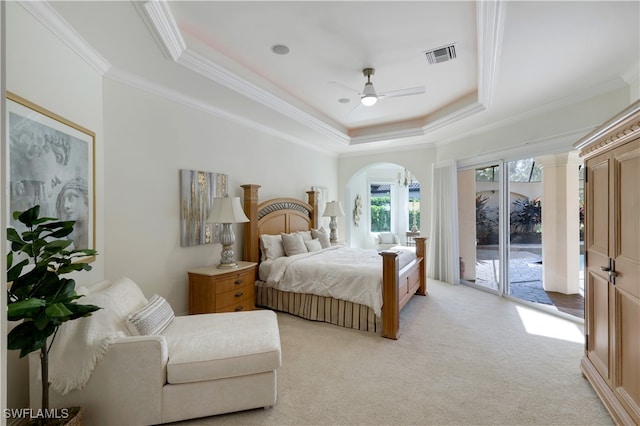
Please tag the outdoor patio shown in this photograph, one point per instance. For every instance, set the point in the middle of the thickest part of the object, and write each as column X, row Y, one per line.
column 525, row 272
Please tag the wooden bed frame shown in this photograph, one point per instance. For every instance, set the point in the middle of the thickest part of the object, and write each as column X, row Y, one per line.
column 291, row 215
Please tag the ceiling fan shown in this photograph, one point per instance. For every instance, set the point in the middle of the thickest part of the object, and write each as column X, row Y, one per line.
column 369, row 96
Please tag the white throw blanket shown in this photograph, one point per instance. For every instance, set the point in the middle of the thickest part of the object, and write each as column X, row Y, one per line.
column 345, row 273
column 81, row 343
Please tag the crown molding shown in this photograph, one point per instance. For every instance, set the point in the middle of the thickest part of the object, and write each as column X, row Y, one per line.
column 490, row 16
column 143, row 84
column 159, row 19
column 622, row 127
column 204, row 66
column 51, row 19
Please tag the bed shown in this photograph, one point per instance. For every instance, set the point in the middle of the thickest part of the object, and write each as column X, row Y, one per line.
column 402, row 276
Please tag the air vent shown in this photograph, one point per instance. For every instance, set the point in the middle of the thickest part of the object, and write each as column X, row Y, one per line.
column 442, row 54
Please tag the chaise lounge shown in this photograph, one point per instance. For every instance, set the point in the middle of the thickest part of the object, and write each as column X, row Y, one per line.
column 198, row 365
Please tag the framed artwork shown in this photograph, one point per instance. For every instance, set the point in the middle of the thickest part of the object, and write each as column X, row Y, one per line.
column 323, row 197
column 197, row 191
column 51, row 163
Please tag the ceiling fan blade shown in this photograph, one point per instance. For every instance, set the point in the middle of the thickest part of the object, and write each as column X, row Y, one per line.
column 403, row 92
column 346, row 87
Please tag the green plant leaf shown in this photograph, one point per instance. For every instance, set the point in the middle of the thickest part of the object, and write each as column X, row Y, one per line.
column 21, row 309
column 57, row 310
column 66, row 290
column 26, row 337
column 14, row 271
column 28, row 216
column 13, row 236
column 56, row 246
column 80, row 311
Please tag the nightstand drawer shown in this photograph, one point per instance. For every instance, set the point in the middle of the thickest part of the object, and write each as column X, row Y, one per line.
column 234, row 296
column 242, row 305
column 235, row 282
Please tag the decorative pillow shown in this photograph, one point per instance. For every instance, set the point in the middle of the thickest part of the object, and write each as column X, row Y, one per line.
column 293, row 244
column 306, row 235
column 313, row 245
column 322, row 235
column 127, row 296
column 271, row 246
column 152, row 319
column 386, row 238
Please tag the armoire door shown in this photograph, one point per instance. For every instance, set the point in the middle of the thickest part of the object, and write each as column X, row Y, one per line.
column 626, row 280
column 598, row 240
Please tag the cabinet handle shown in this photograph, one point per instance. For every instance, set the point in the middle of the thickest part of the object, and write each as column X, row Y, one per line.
column 605, row 268
column 238, row 282
column 238, row 294
column 238, row 308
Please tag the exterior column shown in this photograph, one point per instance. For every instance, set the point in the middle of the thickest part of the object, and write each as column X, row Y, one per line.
column 560, row 223
column 467, row 224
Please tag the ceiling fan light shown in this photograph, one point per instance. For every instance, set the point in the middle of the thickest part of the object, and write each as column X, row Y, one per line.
column 368, row 100
column 369, row 96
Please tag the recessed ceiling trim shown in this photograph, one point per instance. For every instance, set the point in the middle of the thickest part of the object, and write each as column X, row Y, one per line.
column 215, row 72
column 490, row 21
column 47, row 15
column 158, row 17
column 490, row 16
column 162, row 23
column 383, row 136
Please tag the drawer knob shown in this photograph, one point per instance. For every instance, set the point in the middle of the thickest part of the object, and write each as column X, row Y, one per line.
column 239, row 294
column 238, row 282
column 238, row 308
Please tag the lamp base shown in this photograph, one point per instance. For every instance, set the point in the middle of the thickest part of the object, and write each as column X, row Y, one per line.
column 333, row 227
column 227, row 265
column 227, row 257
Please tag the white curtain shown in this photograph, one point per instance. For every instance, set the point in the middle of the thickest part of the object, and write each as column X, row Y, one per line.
column 442, row 259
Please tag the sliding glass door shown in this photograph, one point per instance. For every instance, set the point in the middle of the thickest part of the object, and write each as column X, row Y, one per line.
column 500, row 218
column 487, row 226
column 525, row 231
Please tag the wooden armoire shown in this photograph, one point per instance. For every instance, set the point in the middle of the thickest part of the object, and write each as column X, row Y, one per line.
column 612, row 263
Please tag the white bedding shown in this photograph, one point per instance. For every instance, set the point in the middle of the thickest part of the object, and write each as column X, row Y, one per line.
column 345, row 273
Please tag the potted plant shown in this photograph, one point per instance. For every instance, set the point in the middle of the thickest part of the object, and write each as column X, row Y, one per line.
column 37, row 294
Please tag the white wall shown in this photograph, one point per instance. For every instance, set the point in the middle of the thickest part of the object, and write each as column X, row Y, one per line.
column 43, row 70
column 148, row 140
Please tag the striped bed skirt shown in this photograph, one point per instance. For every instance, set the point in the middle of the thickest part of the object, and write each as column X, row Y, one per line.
column 318, row 308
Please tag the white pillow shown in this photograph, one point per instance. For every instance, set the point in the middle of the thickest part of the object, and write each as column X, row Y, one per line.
column 293, row 244
column 126, row 296
column 151, row 319
column 322, row 235
column 306, row 235
column 386, row 238
column 271, row 246
column 313, row 245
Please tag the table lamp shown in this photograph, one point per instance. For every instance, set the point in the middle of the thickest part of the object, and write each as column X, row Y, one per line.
column 332, row 210
column 226, row 211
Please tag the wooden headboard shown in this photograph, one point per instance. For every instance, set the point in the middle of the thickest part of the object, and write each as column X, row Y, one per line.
column 273, row 217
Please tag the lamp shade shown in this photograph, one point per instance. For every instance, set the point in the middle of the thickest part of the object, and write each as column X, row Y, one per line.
column 333, row 208
column 227, row 210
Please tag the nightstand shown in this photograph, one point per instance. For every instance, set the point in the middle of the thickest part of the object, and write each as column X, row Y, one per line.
column 222, row 290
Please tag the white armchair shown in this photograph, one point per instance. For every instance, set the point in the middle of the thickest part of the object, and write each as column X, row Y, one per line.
column 386, row 240
column 199, row 365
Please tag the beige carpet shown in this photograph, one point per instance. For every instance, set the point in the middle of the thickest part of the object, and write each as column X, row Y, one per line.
column 465, row 357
